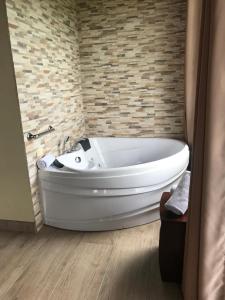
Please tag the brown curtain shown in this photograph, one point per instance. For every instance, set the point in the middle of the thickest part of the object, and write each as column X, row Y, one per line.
column 191, row 64
column 204, row 268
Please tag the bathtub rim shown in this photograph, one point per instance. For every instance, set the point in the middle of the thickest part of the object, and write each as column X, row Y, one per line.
column 135, row 167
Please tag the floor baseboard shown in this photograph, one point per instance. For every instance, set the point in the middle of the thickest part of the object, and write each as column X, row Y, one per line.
column 8, row 225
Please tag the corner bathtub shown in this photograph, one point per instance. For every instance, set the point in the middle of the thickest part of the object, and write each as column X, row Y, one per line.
column 115, row 184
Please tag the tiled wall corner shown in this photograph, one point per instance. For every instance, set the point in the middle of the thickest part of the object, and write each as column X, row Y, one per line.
column 132, row 61
column 45, row 48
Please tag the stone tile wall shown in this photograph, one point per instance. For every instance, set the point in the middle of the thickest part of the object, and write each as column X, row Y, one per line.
column 45, row 50
column 132, row 61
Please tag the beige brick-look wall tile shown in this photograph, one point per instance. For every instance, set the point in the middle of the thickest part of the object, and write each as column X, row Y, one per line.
column 45, row 50
column 132, row 61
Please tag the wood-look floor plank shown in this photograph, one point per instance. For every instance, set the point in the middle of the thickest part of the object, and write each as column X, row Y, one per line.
column 133, row 271
column 84, row 273
column 42, row 267
column 104, row 237
column 15, row 259
column 66, row 265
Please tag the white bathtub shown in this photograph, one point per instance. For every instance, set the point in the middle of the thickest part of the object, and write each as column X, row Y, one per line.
column 115, row 184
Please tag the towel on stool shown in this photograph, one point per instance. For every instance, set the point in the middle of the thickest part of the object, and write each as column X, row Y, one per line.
column 45, row 161
column 178, row 202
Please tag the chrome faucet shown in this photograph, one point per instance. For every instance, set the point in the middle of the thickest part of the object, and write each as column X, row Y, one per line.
column 75, row 147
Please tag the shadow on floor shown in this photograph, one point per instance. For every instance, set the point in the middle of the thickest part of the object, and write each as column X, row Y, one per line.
column 139, row 279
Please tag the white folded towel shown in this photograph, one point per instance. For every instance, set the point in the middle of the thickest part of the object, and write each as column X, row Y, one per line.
column 178, row 202
column 45, row 161
column 173, row 188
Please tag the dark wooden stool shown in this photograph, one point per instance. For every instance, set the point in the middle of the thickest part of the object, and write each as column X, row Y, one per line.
column 171, row 243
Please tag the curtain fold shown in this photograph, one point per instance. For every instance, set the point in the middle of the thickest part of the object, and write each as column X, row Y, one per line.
column 204, row 265
column 194, row 13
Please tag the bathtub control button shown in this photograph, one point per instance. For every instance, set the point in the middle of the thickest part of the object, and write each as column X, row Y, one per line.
column 78, row 159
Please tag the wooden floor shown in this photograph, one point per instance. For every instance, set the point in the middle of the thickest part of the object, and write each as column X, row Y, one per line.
column 58, row 264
